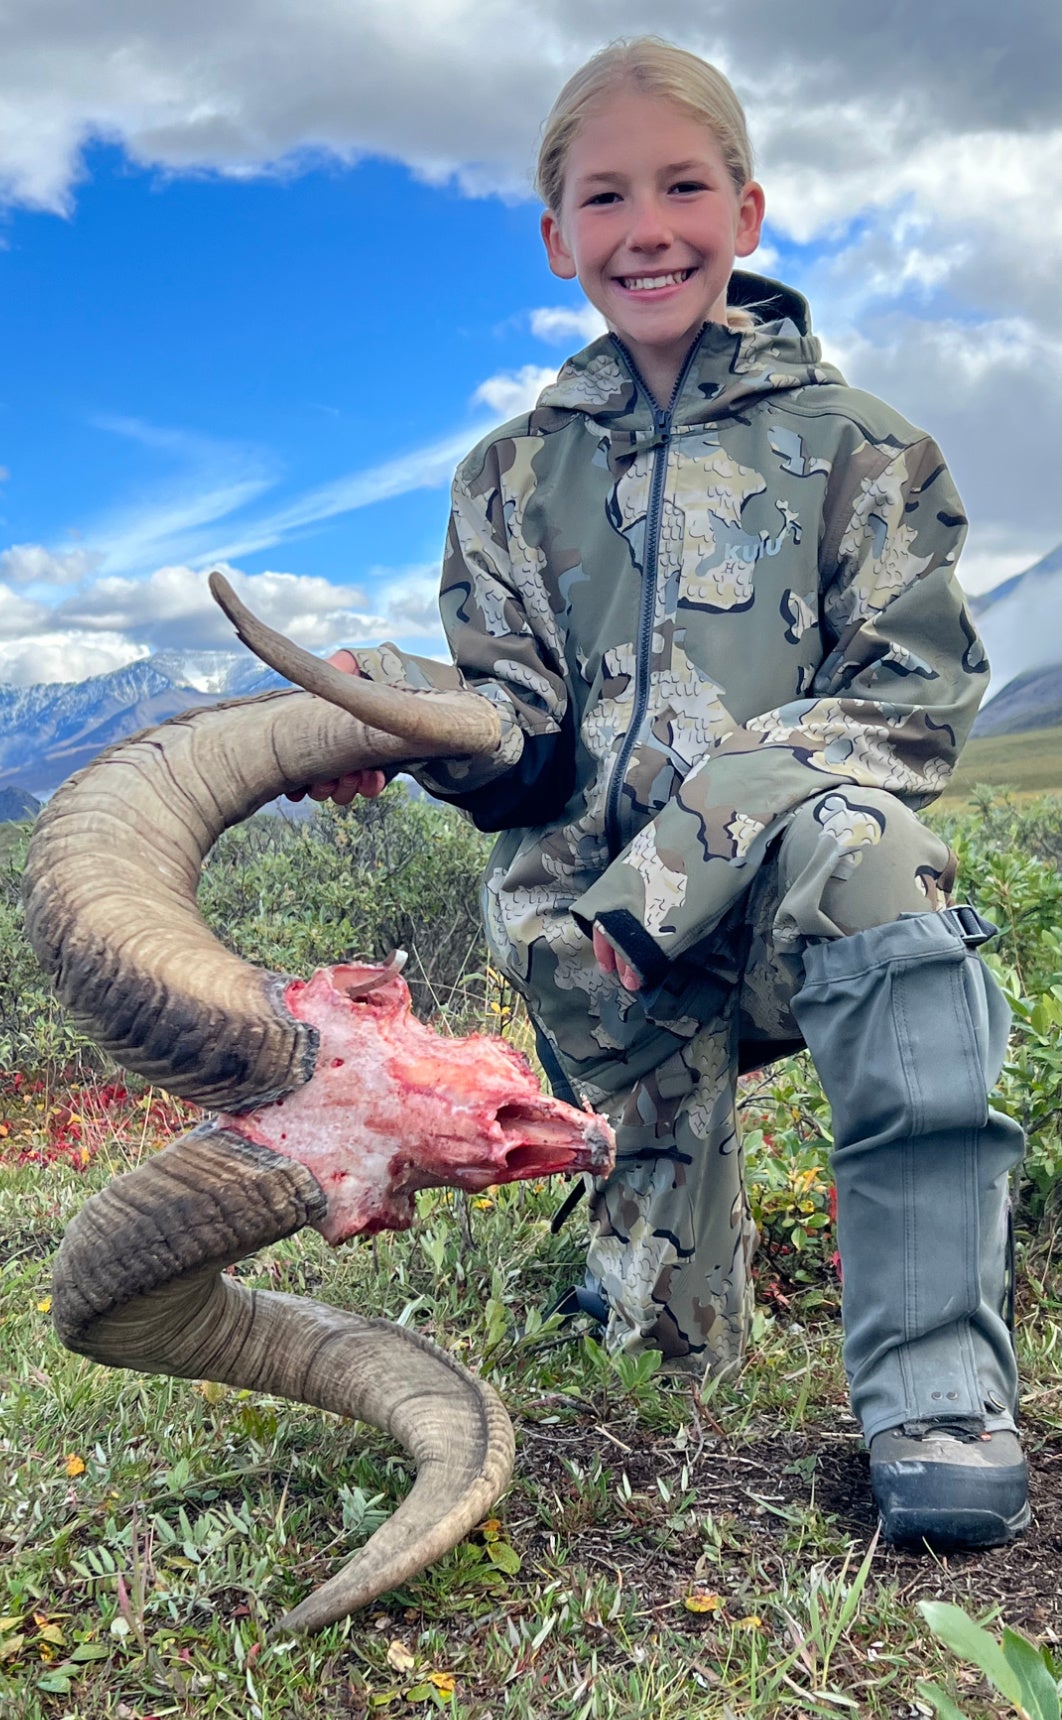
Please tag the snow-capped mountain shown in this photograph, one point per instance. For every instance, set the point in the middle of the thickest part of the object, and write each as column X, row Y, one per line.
column 49, row 730
column 1021, row 624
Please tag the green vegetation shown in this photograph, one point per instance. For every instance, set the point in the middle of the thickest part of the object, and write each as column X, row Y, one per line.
column 1026, row 1677
column 662, row 1552
column 292, row 896
column 1024, row 765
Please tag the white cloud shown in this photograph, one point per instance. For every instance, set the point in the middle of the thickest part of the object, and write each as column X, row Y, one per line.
column 515, row 391
column 421, row 468
column 64, row 655
column 213, row 480
column 851, row 109
column 116, row 620
column 991, row 394
column 408, row 600
column 18, row 615
column 561, row 324
column 993, row 554
column 172, row 609
column 935, row 196
column 194, row 520
column 765, row 260
column 32, row 564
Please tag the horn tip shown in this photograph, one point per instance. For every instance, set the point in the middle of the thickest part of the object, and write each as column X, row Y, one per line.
column 222, row 593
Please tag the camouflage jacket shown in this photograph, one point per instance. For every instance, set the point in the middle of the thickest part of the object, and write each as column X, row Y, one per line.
column 692, row 620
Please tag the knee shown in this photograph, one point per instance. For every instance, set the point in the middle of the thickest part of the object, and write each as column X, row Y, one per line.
column 866, row 858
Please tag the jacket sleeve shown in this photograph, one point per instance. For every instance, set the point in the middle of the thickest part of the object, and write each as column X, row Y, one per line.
column 889, row 708
column 506, row 646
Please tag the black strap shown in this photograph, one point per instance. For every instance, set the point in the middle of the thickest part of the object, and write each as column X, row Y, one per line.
column 567, row 1207
column 972, row 927
column 966, row 1428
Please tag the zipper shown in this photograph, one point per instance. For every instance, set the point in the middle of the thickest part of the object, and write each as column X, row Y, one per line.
column 643, row 657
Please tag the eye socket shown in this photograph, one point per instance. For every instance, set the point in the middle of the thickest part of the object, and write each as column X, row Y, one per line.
column 601, row 198
column 687, row 186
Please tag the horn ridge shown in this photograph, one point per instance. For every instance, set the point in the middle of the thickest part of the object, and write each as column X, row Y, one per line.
column 109, row 890
column 138, row 1284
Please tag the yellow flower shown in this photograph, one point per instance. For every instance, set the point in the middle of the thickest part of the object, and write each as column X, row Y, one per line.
column 702, row 1601
column 44, row 1306
column 75, row 1465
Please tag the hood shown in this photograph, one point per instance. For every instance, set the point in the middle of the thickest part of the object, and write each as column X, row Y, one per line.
column 724, row 371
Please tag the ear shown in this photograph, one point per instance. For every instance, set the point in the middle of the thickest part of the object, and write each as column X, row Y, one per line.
column 750, row 219
column 561, row 261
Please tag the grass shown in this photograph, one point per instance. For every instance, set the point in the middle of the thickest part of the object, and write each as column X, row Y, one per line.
column 12, row 838
column 661, row 1553
column 1026, row 765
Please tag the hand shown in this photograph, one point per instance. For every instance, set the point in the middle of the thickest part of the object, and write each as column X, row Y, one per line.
column 609, row 960
column 343, row 789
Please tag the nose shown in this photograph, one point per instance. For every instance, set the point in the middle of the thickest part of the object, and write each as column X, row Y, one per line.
column 650, row 228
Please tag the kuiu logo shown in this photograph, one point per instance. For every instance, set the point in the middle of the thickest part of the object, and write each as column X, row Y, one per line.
column 744, row 549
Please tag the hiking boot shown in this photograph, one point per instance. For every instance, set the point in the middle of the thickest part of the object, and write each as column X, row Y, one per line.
column 580, row 1299
column 947, row 1482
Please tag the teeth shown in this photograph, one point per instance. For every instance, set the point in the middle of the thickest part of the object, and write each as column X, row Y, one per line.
column 645, row 283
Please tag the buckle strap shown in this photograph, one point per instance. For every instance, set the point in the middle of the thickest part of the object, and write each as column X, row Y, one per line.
column 567, row 1207
column 972, row 927
column 966, row 1428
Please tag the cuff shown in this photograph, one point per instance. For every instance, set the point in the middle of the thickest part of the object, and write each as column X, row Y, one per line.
column 629, row 937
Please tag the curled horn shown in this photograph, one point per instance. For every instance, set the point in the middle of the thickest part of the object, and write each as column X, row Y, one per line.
column 115, row 862
column 110, row 906
column 139, row 1283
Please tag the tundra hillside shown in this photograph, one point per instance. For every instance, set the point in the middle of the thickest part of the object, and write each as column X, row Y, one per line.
column 661, row 1553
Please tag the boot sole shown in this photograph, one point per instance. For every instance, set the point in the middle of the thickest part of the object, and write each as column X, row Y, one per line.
column 954, row 1529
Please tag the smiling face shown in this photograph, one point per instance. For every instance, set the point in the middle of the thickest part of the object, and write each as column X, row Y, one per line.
column 650, row 224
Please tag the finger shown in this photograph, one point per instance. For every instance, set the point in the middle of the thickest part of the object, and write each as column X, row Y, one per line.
column 321, row 790
column 346, row 661
column 604, row 954
column 629, row 977
column 368, row 783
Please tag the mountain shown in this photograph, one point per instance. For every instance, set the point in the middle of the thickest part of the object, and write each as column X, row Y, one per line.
column 1021, row 624
column 17, row 806
column 49, row 730
column 1032, row 701
column 52, row 729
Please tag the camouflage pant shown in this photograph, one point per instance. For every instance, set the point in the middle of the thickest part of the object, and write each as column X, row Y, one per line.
column 671, row 1235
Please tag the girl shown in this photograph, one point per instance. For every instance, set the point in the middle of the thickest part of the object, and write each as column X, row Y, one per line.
column 711, row 590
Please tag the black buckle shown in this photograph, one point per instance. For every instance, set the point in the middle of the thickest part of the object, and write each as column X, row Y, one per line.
column 972, row 927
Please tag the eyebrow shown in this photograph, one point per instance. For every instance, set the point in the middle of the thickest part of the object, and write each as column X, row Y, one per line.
column 668, row 168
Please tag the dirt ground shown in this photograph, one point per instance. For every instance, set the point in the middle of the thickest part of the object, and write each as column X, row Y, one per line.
column 759, row 1491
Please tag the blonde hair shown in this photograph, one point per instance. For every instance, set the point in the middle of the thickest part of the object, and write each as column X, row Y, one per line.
column 656, row 68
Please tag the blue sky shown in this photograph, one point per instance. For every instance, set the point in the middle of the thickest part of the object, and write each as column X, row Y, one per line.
column 263, row 280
